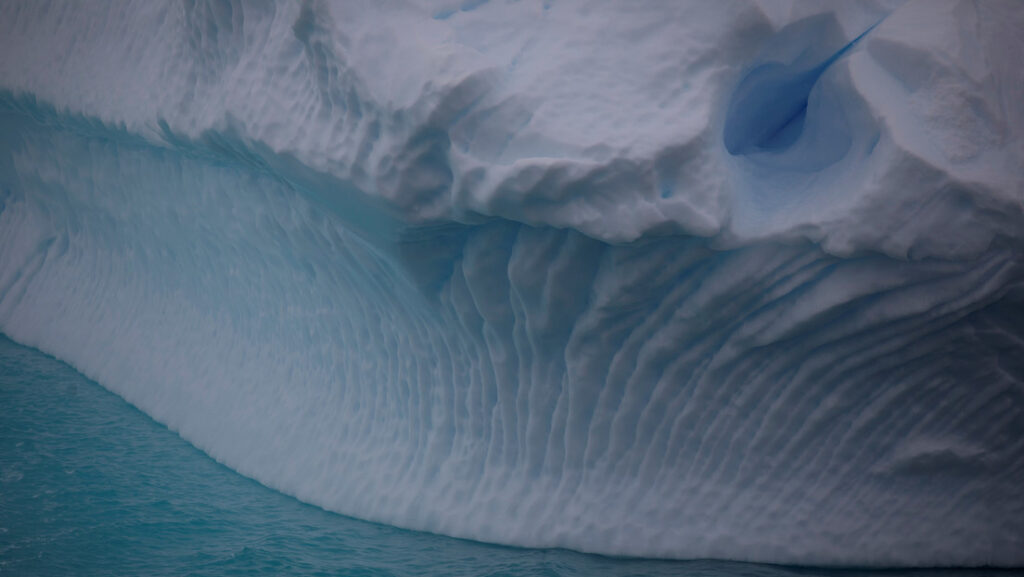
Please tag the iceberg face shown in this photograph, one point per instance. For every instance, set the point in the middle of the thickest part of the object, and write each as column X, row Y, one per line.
column 738, row 280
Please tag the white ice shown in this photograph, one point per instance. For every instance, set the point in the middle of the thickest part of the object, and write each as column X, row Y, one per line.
column 736, row 279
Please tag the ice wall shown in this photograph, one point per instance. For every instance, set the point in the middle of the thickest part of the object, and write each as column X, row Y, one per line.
column 740, row 280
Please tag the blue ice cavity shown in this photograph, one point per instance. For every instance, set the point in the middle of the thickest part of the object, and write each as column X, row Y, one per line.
column 782, row 111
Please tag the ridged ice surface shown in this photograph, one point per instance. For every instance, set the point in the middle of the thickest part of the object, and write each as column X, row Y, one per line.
column 92, row 486
column 739, row 280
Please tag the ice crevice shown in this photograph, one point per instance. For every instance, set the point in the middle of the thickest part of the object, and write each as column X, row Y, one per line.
column 460, row 275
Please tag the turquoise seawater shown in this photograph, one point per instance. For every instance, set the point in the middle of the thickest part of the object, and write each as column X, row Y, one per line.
column 91, row 486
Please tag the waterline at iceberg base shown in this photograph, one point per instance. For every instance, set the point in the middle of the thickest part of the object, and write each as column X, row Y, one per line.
column 94, row 487
column 741, row 281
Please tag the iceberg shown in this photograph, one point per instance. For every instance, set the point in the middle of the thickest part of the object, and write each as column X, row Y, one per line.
column 738, row 280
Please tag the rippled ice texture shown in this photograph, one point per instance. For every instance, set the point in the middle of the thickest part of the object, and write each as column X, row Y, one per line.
column 90, row 486
column 741, row 280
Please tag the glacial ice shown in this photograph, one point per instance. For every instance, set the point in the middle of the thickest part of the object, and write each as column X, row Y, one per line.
column 739, row 279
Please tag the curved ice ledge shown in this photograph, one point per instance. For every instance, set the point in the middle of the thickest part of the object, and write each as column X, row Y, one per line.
column 480, row 302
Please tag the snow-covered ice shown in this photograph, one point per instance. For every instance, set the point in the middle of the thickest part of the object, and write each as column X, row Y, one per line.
column 687, row 279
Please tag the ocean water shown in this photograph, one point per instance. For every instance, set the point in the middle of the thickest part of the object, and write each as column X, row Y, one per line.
column 91, row 486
